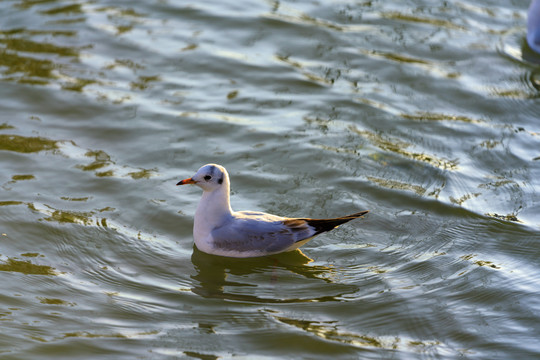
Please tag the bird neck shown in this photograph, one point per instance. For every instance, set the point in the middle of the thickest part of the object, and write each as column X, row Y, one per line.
column 213, row 209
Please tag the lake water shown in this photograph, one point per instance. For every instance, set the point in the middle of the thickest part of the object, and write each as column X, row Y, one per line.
column 426, row 113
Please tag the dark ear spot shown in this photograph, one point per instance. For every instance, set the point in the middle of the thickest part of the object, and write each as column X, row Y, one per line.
column 220, row 181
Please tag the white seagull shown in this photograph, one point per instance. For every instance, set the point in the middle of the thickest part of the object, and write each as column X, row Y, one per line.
column 219, row 230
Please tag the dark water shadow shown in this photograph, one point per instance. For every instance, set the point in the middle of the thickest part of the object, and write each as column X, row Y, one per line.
column 529, row 55
column 211, row 279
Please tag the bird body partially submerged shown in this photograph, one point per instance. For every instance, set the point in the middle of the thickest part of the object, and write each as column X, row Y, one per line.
column 221, row 231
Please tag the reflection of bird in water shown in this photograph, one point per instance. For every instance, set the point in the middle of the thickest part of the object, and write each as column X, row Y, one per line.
column 533, row 26
column 221, row 231
column 213, row 272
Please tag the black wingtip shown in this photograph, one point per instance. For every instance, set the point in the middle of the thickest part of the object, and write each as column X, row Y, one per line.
column 323, row 225
column 358, row 214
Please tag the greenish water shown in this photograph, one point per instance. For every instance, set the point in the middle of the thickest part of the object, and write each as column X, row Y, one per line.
column 425, row 113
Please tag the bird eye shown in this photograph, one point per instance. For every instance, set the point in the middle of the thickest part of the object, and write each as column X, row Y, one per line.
column 207, row 177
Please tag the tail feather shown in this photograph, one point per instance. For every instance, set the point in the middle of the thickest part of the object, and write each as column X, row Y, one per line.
column 323, row 225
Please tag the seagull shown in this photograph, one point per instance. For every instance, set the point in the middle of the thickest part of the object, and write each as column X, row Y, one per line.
column 533, row 25
column 219, row 230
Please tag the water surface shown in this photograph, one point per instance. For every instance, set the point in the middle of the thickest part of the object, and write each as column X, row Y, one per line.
column 424, row 113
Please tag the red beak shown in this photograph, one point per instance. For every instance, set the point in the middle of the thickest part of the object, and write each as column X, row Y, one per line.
column 187, row 181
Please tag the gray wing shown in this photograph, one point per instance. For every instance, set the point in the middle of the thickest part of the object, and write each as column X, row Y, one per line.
column 259, row 232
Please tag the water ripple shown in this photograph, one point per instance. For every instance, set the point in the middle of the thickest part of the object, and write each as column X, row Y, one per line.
column 425, row 115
